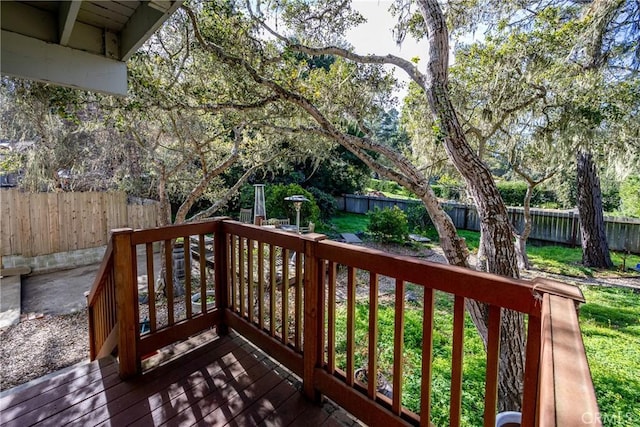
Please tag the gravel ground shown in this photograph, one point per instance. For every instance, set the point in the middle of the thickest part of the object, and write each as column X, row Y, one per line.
column 36, row 347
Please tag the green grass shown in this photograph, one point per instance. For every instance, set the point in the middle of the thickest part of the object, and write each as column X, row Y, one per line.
column 610, row 324
column 393, row 195
column 344, row 222
column 558, row 260
column 474, row 356
column 553, row 259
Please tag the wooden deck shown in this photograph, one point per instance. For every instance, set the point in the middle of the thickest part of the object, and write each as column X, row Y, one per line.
column 220, row 381
column 296, row 325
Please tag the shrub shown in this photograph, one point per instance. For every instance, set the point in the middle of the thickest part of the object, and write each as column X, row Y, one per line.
column 513, row 192
column 630, row 196
column 277, row 207
column 375, row 184
column 391, row 187
column 611, row 201
column 417, row 217
column 326, row 203
column 449, row 188
column 388, row 225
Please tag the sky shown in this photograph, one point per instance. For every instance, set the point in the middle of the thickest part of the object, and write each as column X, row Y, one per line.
column 375, row 37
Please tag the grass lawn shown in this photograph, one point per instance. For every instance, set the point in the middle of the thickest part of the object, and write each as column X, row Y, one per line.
column 554, row 259
column 474, row 356
column 344, row 222
column 610, row 323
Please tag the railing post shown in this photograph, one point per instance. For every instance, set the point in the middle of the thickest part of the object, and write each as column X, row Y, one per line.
column 221, row 254
column 126, row 302
column 92, row 327
column 313, row 311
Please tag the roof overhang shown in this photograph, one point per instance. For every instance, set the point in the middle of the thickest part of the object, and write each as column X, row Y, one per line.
column 80, row 44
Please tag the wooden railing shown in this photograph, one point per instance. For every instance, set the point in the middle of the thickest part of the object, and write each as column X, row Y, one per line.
column 101, row 303
column 281, row 290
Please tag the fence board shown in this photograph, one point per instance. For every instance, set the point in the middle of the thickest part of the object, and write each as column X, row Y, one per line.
column 5, row 238
column 623, row 234
column 35, row 224
column 54, row 222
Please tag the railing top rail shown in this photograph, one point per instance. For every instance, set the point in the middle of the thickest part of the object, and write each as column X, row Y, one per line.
column 514, row 294
column 566, row 393
column 272, row 236
column 169, row 232
column 98, row 283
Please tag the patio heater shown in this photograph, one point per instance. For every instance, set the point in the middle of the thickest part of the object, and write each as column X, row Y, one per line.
column 259, row 210
column 297, row 203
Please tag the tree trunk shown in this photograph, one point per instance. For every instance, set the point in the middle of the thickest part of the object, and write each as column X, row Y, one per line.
column 496, row 231
column 595, row 249
column 521, row 238
column 164, row 219
column 454, row 247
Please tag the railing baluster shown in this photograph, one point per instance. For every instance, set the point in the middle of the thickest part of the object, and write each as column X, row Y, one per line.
column 203, row 272
column 272, row 290
column 221, row 275
column 151, row 288
column 427, row 356
column 100, row 313
column 261, row 285
column 110, row 295
column 331, row 318
column 493, row 361
column 229, row 270
column 456, row 361
column 298, row 302
column 398, row 348
column 187, row 275
column 98, row 322
column 232, row 268
column 372, row 381
column 114, row 300
column 285, row 296
column 320, row 266
column 351, row 322
column 250, row 282
column 168, row 259
column 531, row 371
column 241, row 270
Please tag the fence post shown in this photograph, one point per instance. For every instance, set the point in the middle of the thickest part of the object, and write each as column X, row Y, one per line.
column 466, row 217
column 221, row 254
column 574, row 230
column 124, row 264
column 313, row 312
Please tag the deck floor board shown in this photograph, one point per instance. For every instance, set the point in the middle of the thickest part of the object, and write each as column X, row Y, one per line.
column 224, row 381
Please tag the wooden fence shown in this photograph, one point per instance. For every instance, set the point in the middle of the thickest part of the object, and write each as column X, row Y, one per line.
column 35, row 224
column 623, row 234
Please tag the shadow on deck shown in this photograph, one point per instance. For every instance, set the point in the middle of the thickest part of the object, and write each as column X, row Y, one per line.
column 220, row 381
